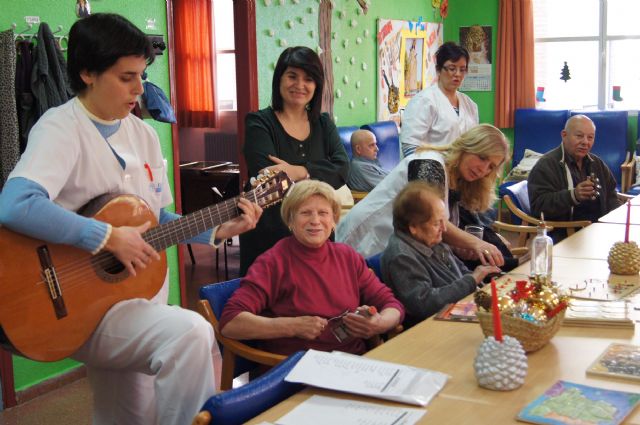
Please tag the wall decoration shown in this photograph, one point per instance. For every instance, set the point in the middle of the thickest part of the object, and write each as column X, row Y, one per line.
column 565, row 74
column 391, row 62
column 83, row 8
column 477, row 40
column 413, row 48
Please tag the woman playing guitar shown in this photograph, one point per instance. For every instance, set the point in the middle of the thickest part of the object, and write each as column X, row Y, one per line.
column 148, row 362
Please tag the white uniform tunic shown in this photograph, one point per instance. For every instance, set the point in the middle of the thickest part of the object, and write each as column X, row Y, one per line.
column 430, row 119
column 148, row 362
column 368, row 225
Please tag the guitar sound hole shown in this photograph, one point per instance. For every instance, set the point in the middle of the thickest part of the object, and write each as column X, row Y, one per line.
column 109, row 269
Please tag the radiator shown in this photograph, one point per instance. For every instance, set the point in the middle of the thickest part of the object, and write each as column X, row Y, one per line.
column 221, row 147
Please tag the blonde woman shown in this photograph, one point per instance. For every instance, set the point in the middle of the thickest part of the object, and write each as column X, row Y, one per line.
column 470, row 166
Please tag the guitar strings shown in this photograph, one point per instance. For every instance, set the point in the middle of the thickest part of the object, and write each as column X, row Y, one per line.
column 68, row 274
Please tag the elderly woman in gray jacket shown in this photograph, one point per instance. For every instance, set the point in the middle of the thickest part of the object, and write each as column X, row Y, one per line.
column 421, row 270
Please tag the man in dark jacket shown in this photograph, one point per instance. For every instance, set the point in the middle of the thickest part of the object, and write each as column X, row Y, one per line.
column 571, row 183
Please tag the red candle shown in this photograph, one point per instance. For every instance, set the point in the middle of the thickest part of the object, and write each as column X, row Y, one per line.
column 497, row 322
column 626, row 229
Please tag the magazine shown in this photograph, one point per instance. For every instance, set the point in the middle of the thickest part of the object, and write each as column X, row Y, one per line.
column 570, row 403
column 464, row 311
column 618, row 360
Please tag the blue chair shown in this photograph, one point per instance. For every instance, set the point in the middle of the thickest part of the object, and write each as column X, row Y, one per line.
column 241, row 404
column 538, row 130
column 238, row 357
column 373, row 263
column 345, row 137
column 386, row 133
column 611, row 139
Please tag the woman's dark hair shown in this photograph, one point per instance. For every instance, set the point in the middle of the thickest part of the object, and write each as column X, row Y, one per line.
column 306, row 59
column 98, row 41
column 450, row 51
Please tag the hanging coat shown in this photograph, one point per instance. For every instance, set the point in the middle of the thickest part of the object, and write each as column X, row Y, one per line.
column 9, row 141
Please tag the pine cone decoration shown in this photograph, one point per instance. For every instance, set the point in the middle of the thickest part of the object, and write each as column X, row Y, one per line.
column 624, row 258
column 482, row 299
column 501, row 366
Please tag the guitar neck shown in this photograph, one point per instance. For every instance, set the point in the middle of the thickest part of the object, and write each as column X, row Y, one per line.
column 165, row 235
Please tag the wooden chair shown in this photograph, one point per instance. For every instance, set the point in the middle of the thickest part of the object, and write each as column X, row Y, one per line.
column 628, row 173
column 237, row 406
column 570, row 226
column 238, row 357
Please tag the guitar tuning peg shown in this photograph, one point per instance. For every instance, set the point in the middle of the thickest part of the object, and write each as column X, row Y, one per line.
column 252, row 181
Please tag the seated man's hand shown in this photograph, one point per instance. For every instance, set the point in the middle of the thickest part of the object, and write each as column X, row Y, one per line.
column 585, row 190
column 308, row 327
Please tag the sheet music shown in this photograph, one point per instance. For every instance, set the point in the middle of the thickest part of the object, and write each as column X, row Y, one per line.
column 359, row 375
column 320, row 410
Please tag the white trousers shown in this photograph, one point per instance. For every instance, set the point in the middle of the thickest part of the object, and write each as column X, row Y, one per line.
column 149, row 363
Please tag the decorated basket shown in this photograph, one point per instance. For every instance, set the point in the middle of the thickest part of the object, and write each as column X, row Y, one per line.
column 532, row 336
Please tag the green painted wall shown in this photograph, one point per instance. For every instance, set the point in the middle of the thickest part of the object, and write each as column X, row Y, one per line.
column 464, row 13
column 297, row 24
column 62, row 12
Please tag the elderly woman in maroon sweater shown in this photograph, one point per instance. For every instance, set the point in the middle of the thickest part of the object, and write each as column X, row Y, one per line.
column 296, row 293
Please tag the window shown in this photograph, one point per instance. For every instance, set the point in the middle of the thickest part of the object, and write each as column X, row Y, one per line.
column 600, row 42
column 225, row 55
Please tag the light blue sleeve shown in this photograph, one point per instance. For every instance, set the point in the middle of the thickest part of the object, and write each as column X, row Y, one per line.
column 25, row 207
column 203, row 238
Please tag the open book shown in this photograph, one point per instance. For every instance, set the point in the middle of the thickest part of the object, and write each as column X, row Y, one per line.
column 360, row 375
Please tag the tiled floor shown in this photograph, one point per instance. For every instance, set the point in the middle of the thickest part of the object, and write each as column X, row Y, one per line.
column 72, row 404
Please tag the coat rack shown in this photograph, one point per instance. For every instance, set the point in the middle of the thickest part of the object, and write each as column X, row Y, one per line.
column 26, row 35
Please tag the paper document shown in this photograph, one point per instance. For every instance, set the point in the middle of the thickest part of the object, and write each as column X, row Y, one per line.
column 375, row 378
column 320, row 410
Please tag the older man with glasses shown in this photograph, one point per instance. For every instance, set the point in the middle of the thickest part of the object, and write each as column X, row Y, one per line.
column 439, row 114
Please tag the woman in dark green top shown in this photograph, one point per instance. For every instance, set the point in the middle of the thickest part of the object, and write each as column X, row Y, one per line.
column 293, row 136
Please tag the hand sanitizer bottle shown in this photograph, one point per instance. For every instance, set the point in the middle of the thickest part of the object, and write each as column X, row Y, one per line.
column 542, row 254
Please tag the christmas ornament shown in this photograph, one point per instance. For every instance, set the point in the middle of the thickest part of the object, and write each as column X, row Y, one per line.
column 624, row 258
column 540, row 94
column 502, row 365
column 564, row 73
column 616, row 94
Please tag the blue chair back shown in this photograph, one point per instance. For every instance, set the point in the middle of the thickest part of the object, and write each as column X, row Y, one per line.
column 374, row 264
column 611, row 138
column 538, row 130
column 241, row 404
column 345, row 137
column 218, row 294
column 386, row 133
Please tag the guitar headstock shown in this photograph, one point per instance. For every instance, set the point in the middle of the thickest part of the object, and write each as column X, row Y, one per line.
column 269, row 188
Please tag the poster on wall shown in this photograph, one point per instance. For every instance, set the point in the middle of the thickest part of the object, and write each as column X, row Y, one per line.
column 406, row 63
column 477, row 40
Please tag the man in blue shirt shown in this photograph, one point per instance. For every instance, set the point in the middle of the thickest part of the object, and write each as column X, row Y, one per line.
column 365, row 171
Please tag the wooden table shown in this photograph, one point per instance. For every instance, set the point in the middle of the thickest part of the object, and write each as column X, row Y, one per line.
column 619, row 215
column 450, row 347
column 594, row 241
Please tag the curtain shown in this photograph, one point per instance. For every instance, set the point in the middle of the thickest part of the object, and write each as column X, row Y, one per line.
column 195, row 63
column 515, row 82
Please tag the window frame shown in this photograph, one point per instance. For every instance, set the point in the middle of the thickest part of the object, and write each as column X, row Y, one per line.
column 603, row 54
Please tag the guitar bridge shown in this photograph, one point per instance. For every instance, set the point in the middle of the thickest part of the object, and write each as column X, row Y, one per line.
column 51, row 280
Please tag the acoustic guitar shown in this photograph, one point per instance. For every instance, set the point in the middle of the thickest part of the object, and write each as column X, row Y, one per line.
column 53, row 296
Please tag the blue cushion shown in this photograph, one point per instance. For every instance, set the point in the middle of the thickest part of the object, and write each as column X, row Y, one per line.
column 345, row 137
column 373, row 263
column 611, row 138
column 538, row 130
column 241, row 404
column 386, row 133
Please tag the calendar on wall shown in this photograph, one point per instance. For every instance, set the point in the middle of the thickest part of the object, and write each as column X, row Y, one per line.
column 477, row 40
